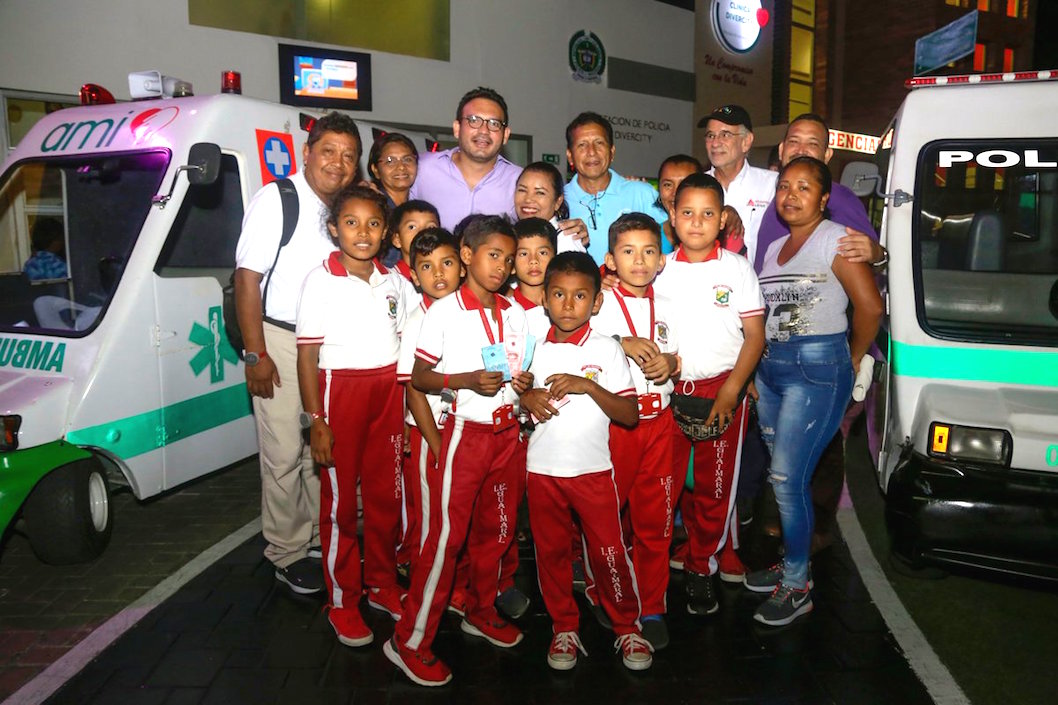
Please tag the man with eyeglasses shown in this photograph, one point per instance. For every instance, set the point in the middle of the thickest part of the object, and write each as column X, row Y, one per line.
column 747, row 189
column 598, row 195
column 473, row 177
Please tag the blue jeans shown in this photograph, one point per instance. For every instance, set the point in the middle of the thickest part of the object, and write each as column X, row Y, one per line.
column 805, row 385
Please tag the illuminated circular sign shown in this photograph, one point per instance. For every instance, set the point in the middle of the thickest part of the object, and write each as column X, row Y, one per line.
column 738, row 23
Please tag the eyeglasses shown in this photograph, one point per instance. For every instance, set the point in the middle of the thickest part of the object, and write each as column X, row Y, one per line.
column 476, row 121
column 406, row 160
column 722, row 136
column 592, row 204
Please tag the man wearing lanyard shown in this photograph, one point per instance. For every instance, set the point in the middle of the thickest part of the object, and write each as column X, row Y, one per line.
column 598, row 194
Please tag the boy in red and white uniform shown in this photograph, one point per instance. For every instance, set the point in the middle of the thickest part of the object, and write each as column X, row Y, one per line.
column 348, row 384
column 480, row 460
column 570, row 471
column 537, row 243
column 437, row 271
column 642, row 456
column 405, row 222
column 719, row 313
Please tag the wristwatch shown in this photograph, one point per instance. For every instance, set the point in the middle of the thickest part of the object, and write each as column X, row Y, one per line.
column 306, row 418
column 251, row 358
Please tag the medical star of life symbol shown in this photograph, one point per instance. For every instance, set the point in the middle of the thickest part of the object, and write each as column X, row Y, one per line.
column 216, row 350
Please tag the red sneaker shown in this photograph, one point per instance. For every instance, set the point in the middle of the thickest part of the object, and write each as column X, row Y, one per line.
column 496, row 631
column 457, row 603
column 731, row 568
column 635, row 651
column 562, row 655
column 349, row 626
column 421, row 666
column 387, row 599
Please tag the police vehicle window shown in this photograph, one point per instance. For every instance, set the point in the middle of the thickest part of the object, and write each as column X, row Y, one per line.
column 986, row 240
column 206, row 228
column 67, row 228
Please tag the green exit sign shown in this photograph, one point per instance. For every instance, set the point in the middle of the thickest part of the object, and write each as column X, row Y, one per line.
column 551, row 158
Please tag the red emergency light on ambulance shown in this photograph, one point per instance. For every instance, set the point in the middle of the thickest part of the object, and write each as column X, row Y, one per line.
column 115, row 366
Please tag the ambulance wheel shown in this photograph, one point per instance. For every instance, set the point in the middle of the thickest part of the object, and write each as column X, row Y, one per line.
column 68, row 515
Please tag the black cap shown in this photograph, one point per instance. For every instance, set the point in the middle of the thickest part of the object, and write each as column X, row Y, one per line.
column 729, row 115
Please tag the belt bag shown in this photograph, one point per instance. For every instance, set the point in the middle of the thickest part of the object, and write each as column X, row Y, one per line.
column 690, row 414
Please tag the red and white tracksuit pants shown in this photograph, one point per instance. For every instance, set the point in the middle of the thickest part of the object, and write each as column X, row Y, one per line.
column 716, row 464
column 644, row 473
column 419, row 466
column 475, row 505
column 593, row 499
column 364, row 409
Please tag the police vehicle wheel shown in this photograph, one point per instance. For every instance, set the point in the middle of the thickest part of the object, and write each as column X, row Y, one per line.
column 68, row 515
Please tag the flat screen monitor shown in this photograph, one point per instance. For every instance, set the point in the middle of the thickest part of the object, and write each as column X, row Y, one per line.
column 311, row 77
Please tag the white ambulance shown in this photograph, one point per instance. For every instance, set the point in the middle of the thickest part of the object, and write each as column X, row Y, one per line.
column 118, row 226
column 967, row 427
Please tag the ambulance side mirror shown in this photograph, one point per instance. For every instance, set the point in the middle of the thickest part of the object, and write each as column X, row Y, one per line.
column 206, row 157
column 860, row 178
column 203, row 167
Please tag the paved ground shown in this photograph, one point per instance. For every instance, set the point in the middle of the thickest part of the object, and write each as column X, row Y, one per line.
column 232, row 636
column 45, row 610
column 228, row 635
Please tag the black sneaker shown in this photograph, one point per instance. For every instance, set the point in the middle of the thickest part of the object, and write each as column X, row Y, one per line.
column 314, row 552
column 700, row 597
column 302, row 576
column 512, row 602
column 784, row 606
column 655, row 631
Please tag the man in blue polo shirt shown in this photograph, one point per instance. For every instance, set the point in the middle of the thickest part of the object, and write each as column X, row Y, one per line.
column 598, row 195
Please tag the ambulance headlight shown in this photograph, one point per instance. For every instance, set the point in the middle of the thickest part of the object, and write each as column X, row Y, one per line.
column 984, row 445
column 11, row 424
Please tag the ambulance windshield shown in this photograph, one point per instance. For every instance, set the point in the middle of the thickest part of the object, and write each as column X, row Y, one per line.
column 986, row 240
column 67, row 228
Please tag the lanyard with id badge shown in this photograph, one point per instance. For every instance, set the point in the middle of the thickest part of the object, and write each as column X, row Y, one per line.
column 649, row 403
column 510, row 355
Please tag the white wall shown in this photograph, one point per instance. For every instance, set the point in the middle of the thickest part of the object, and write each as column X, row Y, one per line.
column 515, row 46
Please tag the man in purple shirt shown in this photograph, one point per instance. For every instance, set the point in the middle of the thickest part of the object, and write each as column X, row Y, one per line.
column 808, row 135
column 473, row 177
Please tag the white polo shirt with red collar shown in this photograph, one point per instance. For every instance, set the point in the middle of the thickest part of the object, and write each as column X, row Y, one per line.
column 535, row 314
column 625, row 314
column 749, row 193
column 453, row 332
column 708, row 301
column 409, row 294
column 356, row 323
column 408, row 340
column 577, row 441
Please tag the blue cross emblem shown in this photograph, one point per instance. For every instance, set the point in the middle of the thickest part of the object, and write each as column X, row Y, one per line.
column 277, row 157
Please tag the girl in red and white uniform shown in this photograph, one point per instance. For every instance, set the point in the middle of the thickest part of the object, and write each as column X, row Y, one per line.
column 350, row 316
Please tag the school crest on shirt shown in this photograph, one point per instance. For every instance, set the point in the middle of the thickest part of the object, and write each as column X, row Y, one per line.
column 391, row 300
column 661, row 332
column 721, row 295
column 592, row 372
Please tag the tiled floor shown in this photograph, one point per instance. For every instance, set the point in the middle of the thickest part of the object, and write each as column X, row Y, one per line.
column 232, row 636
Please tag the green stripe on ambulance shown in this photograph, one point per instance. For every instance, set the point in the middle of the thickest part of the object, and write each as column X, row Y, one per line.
column 26, row 354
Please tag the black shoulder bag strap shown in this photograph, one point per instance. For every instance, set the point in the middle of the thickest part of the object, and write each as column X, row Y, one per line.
column 288, row 195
